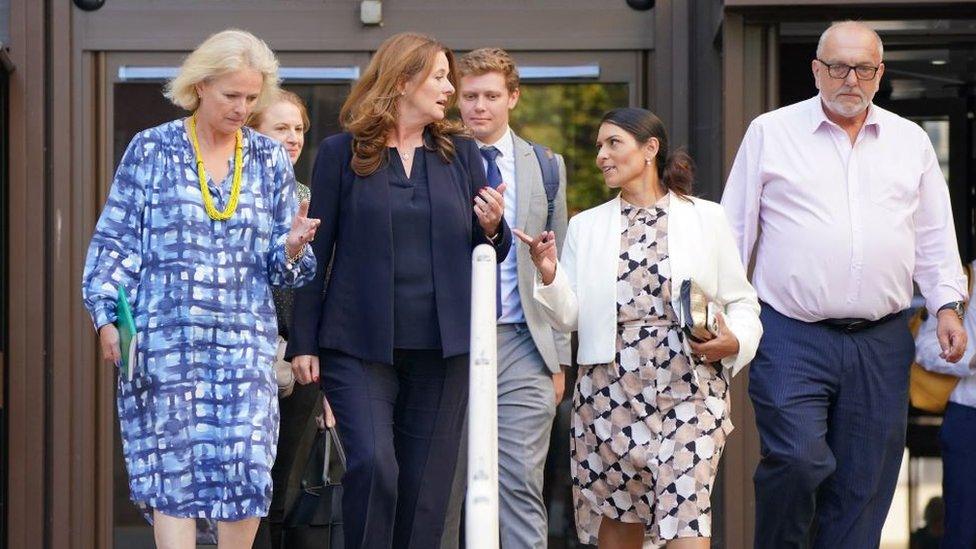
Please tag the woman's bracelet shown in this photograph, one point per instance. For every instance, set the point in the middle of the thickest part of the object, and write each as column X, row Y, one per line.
column 298, row 255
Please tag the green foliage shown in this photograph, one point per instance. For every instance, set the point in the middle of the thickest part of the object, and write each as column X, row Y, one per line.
column 566, row 118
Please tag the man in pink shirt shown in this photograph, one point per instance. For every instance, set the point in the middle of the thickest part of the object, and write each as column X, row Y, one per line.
column 840, row 204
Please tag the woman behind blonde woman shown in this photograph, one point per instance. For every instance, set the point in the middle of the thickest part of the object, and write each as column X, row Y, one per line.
column 285, row 119
column 651, row 407
column 201, row 221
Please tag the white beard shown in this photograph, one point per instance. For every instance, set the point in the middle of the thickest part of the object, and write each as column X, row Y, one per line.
column 847, row 110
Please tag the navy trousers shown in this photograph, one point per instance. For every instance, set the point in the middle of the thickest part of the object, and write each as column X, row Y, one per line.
column 958, row 440
column 400, row 426
column 831, row 408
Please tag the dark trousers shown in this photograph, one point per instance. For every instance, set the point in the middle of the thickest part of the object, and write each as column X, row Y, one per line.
column 831, row 408
column 400, row 425
column 958, row 440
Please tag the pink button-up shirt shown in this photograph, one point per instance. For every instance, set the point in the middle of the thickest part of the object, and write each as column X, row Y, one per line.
column 840, row 231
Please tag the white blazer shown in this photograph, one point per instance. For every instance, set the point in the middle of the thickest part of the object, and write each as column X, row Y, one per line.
column 583, row 295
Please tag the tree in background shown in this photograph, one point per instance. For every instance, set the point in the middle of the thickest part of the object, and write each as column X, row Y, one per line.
column 566, row 118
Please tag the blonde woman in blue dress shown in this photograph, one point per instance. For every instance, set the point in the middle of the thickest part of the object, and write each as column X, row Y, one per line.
column 651, row 408
column 200, row 222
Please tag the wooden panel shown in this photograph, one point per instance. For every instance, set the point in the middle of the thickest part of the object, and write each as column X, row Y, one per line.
column 101, row 171
column 745, row 81
column 849, row 4
column 64, row 435
column 26, row 359
column 334, row 26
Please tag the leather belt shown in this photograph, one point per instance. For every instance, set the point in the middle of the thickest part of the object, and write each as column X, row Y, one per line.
column 851, row 325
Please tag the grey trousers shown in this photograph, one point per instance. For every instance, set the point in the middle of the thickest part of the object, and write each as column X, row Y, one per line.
column 526, row 408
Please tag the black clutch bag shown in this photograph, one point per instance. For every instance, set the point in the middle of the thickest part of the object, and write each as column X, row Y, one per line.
column 697, row 312
column 315, row 519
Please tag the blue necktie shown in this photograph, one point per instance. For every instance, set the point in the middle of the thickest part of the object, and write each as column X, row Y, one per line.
column 494, row 174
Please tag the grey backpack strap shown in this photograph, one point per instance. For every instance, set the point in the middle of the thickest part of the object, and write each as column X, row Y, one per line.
column 550, row 178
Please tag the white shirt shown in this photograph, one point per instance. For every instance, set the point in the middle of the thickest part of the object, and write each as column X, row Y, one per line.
column 927, row 352
column 508, row 270
column 840, row 231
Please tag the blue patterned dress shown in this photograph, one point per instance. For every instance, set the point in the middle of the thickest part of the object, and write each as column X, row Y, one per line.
column 199, row 421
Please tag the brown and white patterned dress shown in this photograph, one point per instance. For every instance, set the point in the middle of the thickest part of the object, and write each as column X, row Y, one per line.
column 649, row 428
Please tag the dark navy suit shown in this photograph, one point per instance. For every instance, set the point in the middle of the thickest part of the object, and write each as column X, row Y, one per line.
column 399, row 411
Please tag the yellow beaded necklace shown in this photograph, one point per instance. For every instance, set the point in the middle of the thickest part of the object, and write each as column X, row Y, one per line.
column 235, row 189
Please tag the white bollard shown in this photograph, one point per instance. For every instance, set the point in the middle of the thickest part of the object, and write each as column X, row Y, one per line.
column 481, row 513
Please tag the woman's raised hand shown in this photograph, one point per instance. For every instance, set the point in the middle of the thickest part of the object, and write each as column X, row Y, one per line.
column 542, row 249
column 489, row 206
column 302, row 230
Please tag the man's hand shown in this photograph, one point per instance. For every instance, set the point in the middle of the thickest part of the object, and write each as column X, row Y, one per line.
column 328, row 416
column 559, row 383
column 952, row 336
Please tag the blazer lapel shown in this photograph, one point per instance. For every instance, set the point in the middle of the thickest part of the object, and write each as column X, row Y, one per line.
column 375, row 189
column 607, row 238
column 683, row 232
column 527, row 176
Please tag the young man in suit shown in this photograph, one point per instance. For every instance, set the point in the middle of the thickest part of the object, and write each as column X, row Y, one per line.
column 531, row 356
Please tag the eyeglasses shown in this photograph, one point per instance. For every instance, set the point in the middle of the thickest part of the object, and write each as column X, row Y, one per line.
column 841, row 70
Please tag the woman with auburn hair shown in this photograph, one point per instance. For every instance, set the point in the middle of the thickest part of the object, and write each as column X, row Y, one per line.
column 404, row 199
column 200, row 223
column 650, row 412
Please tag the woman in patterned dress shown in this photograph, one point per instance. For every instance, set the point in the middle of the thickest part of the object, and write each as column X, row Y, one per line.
column 651, row 410
column 200, row 222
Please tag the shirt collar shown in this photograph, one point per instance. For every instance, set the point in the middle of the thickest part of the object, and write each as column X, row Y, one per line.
column 818, row 117
column 634, row 212
column 505, row 144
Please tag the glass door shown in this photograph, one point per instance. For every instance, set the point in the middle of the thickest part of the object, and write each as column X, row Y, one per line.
column 563, row 98
column 947, row 123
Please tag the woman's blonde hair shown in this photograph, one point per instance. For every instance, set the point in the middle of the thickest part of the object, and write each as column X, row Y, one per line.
column 226, row 51
column 371, row 110
column 283, row 96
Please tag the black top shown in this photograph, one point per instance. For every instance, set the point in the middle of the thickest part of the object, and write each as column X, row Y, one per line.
column 414, row 308
column 350, row 309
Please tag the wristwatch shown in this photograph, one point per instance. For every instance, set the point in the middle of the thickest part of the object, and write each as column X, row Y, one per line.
column 957, row 307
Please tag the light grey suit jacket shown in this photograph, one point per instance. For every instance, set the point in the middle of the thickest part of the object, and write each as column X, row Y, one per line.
column 530, row 216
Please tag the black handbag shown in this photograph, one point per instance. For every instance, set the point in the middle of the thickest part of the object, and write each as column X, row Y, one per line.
column 315, row 519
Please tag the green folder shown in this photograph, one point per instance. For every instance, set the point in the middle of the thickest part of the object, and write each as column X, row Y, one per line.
column 127, row 335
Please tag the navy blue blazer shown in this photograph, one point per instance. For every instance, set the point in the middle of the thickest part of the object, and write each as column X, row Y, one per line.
column 355, row 314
